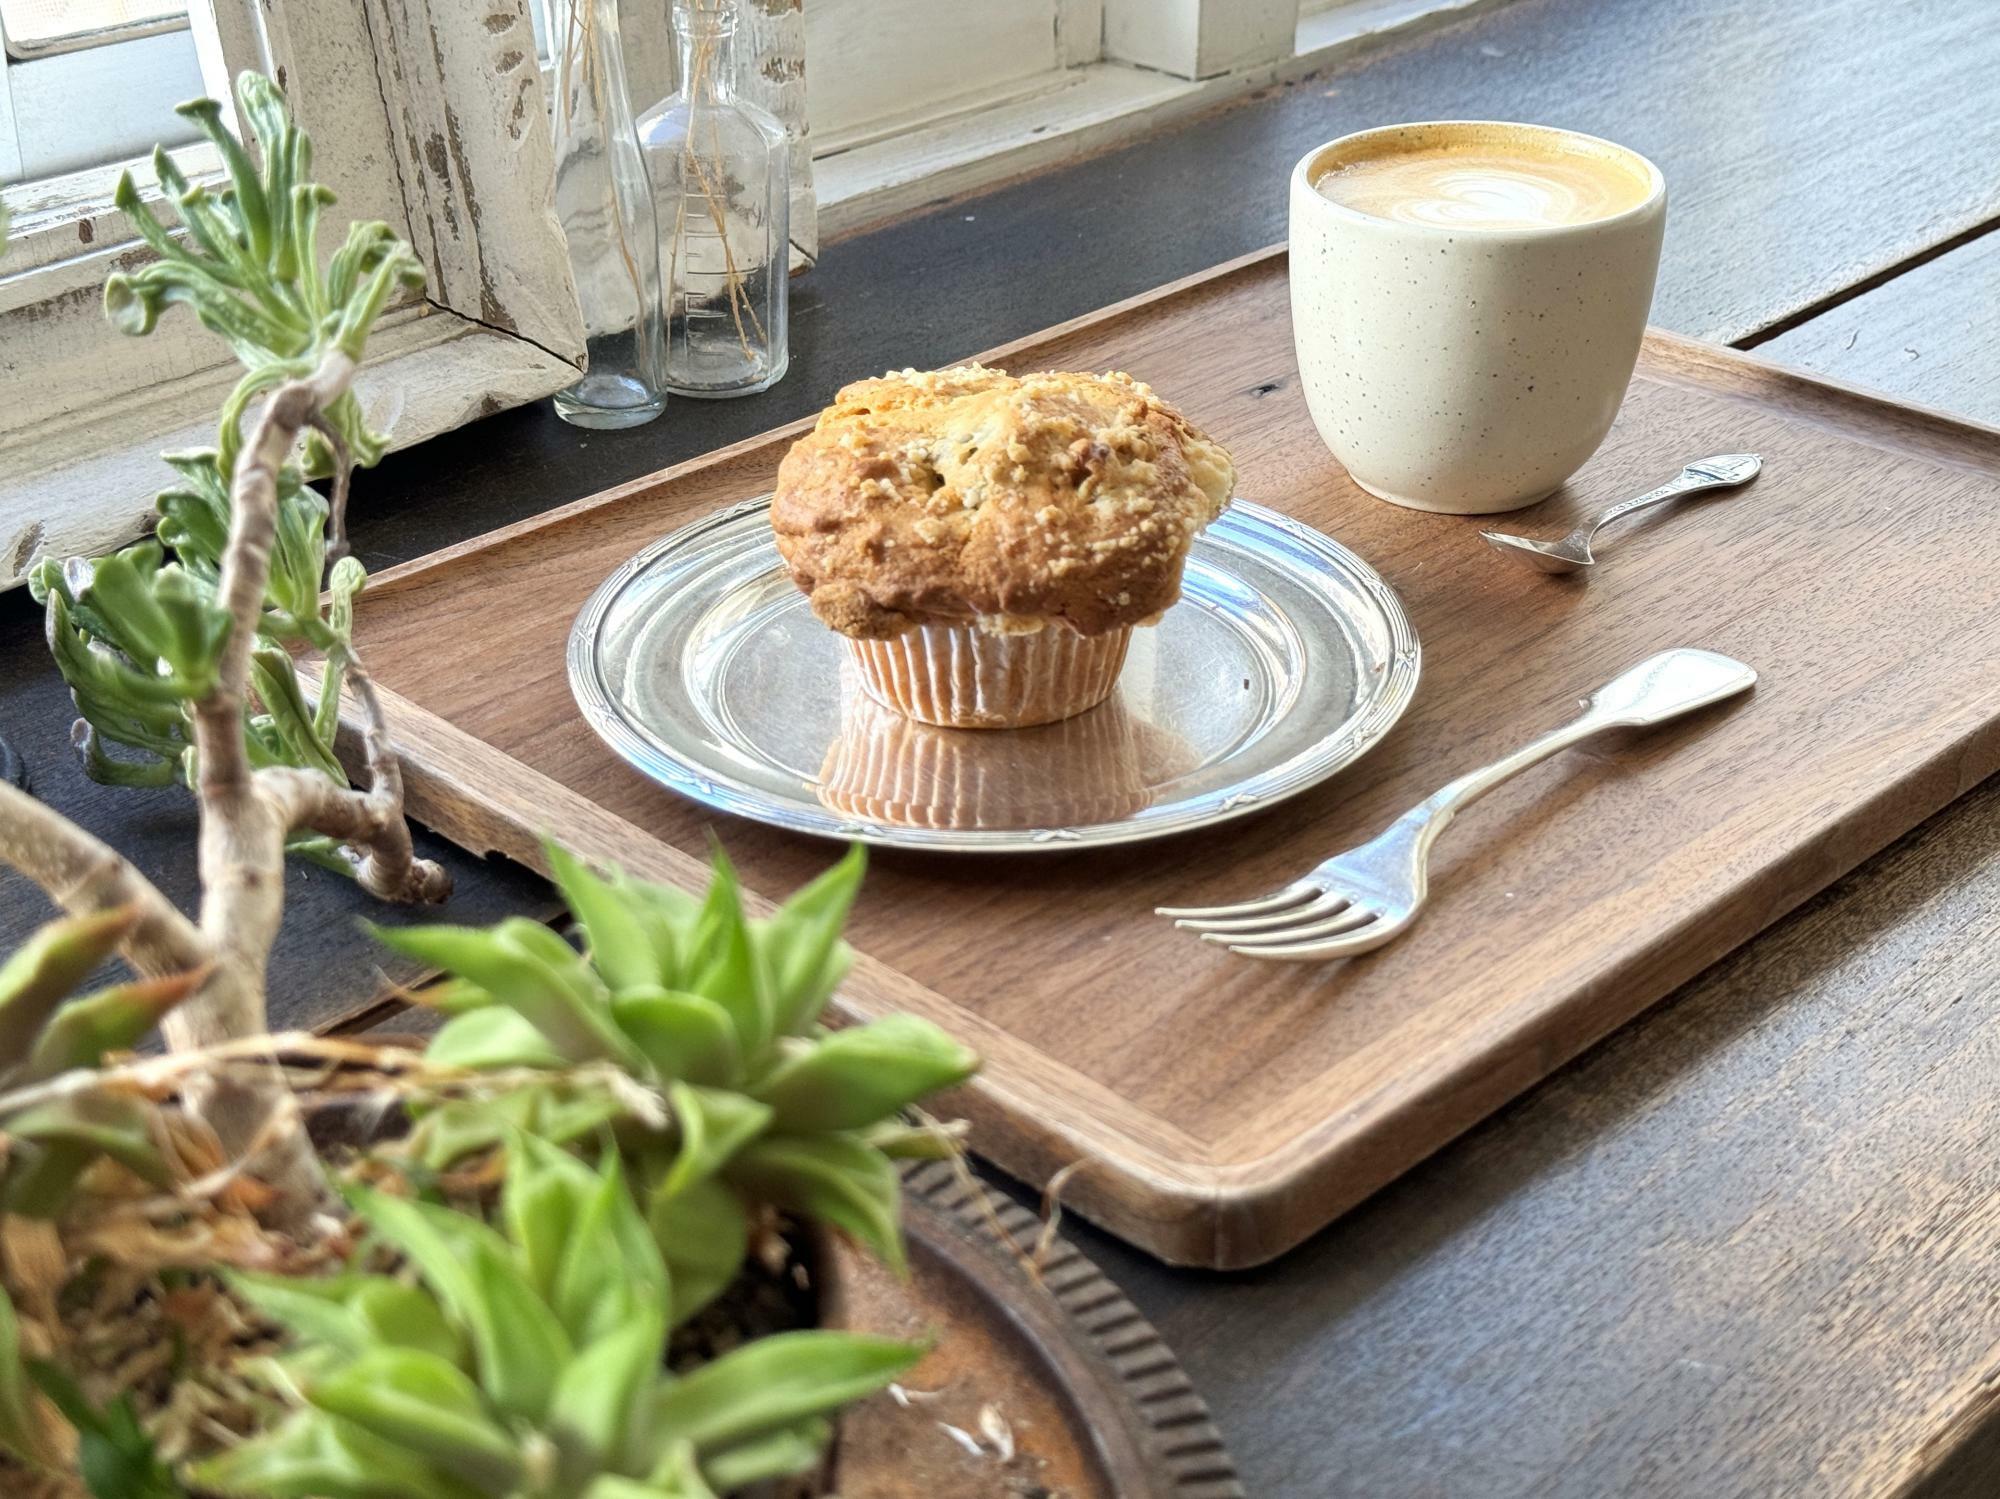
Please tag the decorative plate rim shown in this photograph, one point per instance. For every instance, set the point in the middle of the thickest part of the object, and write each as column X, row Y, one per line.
column 1340, row 747
column 1184, row 1453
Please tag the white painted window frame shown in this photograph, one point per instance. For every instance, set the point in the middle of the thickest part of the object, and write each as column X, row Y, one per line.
column 425, row 113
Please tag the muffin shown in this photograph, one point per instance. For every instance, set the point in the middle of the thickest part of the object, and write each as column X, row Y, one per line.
column 986, row 543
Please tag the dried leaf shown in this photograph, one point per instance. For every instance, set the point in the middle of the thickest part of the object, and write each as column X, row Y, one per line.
column 993, row 1426
column 964, row 1438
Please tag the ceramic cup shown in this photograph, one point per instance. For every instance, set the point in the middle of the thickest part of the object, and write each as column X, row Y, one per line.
column 1467, row 370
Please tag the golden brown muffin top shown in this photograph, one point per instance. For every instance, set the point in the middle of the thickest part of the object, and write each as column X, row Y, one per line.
column 970, row 494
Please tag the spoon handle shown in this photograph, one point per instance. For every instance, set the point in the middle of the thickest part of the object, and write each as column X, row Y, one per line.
column 1725, row 471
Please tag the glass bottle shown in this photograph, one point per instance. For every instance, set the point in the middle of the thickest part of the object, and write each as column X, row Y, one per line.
column 606, row 207
column 722, row 192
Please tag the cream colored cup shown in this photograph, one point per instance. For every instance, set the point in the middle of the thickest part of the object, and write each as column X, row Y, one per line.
column 1467, row 370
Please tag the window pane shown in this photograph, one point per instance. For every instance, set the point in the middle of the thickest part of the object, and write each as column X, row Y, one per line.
column 84, row 107
column 33, row 25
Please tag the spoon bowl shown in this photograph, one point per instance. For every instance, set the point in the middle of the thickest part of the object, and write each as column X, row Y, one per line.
column 1573, row 554
column 1549, row 556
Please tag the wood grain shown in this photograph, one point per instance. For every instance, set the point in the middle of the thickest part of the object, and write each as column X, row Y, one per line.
column 1747, row 1247
column 1312, row 1086
column 1573, row 1297
column 1908, row 338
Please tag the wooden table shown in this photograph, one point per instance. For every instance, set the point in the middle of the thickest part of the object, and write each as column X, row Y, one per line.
column 1749, row 1246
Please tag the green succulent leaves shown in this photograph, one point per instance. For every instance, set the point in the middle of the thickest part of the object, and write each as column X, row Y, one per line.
column 719, row 1013
column 858, row 1077
column 138, row 635
column 527, row 1362
column 247, row 263
column 41, row 974
column 45, row 1029
column 521, row 1355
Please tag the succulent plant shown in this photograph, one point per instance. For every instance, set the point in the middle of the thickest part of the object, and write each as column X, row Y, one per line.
column 650, row 1106
column 719, row 1014
column 47, row 1029
column 249, row 266
column 137, row 635
column 527, row 1361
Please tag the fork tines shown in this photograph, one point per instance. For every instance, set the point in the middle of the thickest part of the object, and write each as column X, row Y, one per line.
column 1302, row 920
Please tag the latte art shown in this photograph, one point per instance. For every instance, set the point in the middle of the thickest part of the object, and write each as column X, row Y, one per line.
column 1474, row 187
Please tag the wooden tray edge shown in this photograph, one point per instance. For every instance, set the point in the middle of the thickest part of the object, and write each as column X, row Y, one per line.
column 1255, row 1197
column 1858, row 413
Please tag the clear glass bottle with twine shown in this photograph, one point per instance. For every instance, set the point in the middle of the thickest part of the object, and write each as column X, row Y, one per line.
column 607, row 212
column 721, row 190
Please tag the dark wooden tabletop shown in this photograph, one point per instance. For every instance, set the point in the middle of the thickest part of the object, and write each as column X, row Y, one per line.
column 1749, row 1246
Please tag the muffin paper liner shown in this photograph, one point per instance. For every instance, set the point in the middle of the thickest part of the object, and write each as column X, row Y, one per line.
column 961, row 677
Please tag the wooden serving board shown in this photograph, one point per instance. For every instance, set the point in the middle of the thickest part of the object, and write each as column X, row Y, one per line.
column 1225, row 1109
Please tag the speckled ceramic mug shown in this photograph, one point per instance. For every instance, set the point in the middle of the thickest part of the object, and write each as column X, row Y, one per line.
column 1467, row 370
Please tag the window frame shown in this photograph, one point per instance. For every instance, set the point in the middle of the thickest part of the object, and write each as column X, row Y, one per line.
column 427, row 114
column 83, row 41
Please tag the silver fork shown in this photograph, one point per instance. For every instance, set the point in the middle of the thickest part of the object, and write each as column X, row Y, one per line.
column 1361, row 899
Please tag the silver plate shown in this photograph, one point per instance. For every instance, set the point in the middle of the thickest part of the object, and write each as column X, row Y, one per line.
column 1288, row 658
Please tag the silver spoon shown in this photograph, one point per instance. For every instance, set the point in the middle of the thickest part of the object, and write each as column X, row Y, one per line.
column 1573, row 552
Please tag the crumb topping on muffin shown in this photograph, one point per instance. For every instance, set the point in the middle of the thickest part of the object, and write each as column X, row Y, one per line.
column 970, row 494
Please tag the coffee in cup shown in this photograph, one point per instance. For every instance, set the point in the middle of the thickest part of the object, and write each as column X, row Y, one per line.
column 1468, row 300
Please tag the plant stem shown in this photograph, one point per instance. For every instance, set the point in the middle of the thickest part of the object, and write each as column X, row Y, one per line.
column 83, row 875
column 343, row 474
column 247, row 814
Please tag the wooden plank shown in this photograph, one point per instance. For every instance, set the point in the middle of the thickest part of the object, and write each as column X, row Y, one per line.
column 468, row 125
column 1908, row 338
column 1745, row 1247
column 1647, row 862
column 425, row 365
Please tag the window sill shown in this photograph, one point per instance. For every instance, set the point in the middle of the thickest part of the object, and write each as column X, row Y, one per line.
column 420, row 364
column 1080, row 110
